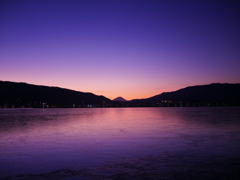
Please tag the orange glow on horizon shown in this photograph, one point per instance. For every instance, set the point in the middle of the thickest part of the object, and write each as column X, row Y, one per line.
column 131, row 94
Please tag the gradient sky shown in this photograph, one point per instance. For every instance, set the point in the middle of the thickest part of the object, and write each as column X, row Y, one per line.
column 128, row 48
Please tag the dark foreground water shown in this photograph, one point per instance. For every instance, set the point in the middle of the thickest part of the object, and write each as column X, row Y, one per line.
column 120, row 143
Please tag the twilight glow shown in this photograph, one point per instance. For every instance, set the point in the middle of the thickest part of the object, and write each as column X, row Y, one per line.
column 133, row 48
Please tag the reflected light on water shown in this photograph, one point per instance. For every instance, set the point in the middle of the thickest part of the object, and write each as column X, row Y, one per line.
column 41, row 140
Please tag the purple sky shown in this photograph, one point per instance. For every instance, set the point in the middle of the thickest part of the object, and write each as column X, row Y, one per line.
column 133, row 49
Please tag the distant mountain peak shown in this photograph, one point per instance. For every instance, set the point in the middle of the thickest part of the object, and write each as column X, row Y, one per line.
column 119, row 99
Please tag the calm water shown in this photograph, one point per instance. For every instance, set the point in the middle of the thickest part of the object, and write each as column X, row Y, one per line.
column 120, row 143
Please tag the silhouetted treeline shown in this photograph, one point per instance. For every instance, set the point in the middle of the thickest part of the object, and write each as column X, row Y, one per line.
column 22, row 95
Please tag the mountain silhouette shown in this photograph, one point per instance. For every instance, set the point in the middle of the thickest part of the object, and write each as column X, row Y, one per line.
column 17, row 95
column 119, row 99
column 212, row 94
column 28, row 95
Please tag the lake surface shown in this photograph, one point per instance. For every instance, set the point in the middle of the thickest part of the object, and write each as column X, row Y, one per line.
column 120, row 143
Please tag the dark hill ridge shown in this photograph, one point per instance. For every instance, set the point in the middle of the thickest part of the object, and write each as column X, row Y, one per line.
column 28, row 95
column 119, row 99
column 212, row 94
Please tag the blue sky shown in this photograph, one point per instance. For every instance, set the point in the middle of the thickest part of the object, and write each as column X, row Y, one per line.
column 133, row 49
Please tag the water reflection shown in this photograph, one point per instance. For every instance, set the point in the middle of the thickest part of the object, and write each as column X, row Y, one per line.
column 44, row 140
